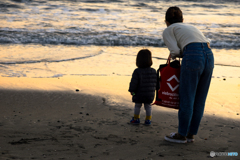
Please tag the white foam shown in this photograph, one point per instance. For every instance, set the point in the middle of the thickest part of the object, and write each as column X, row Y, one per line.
column 214, row 25
column 225, row 44
column 102, row 10
column 35, row 10
column 57, row 75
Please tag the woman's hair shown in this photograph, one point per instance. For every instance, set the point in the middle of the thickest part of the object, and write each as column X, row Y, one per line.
column 144, row 59
column 174, row 15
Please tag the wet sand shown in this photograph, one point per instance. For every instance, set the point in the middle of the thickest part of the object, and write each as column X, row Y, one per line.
column 88, row 118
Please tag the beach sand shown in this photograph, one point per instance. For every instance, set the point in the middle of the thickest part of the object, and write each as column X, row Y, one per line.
column 87, row 117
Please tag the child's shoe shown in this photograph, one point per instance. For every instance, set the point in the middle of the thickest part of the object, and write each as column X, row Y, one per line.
column 135, row 121
column 147, row 122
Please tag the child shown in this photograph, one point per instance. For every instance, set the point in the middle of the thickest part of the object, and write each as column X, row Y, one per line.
column 143, row 85
column 186, row 41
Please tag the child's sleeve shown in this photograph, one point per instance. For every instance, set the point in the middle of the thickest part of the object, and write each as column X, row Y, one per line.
column 134, row 82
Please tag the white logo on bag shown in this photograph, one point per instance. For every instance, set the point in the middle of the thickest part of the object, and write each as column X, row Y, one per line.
column 169, row 85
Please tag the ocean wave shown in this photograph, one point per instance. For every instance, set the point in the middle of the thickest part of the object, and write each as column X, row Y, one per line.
column 8, row 5
column 213, row 1
column 105, row 38
column 48, row 60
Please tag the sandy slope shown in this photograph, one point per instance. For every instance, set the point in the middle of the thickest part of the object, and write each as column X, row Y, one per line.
column 49, row 119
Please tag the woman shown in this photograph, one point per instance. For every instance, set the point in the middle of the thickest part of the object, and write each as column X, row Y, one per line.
column 186, row 41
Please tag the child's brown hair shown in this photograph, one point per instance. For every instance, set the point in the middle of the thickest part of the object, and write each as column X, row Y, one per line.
column 144, row 59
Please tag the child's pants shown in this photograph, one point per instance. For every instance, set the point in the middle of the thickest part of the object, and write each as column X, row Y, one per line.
column 147, row 106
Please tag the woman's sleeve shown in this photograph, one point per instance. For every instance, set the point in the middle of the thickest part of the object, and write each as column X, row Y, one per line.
column 171, row 42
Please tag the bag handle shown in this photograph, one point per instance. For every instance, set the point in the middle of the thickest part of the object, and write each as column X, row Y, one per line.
column 169, row 60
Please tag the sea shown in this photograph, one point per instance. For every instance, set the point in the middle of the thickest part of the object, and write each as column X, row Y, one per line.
column 57, row 38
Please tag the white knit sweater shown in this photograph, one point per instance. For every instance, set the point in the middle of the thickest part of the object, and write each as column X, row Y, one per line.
column 178, row 35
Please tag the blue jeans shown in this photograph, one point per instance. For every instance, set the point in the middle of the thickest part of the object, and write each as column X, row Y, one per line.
column 196, row 73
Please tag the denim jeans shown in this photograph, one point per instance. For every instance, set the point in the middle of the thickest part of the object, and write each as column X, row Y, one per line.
column 196, row 73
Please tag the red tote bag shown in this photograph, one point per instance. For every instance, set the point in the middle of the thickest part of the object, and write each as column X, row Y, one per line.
column 167, row 94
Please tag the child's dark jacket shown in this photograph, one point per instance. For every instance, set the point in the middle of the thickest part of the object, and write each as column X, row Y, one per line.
column 143, row 84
